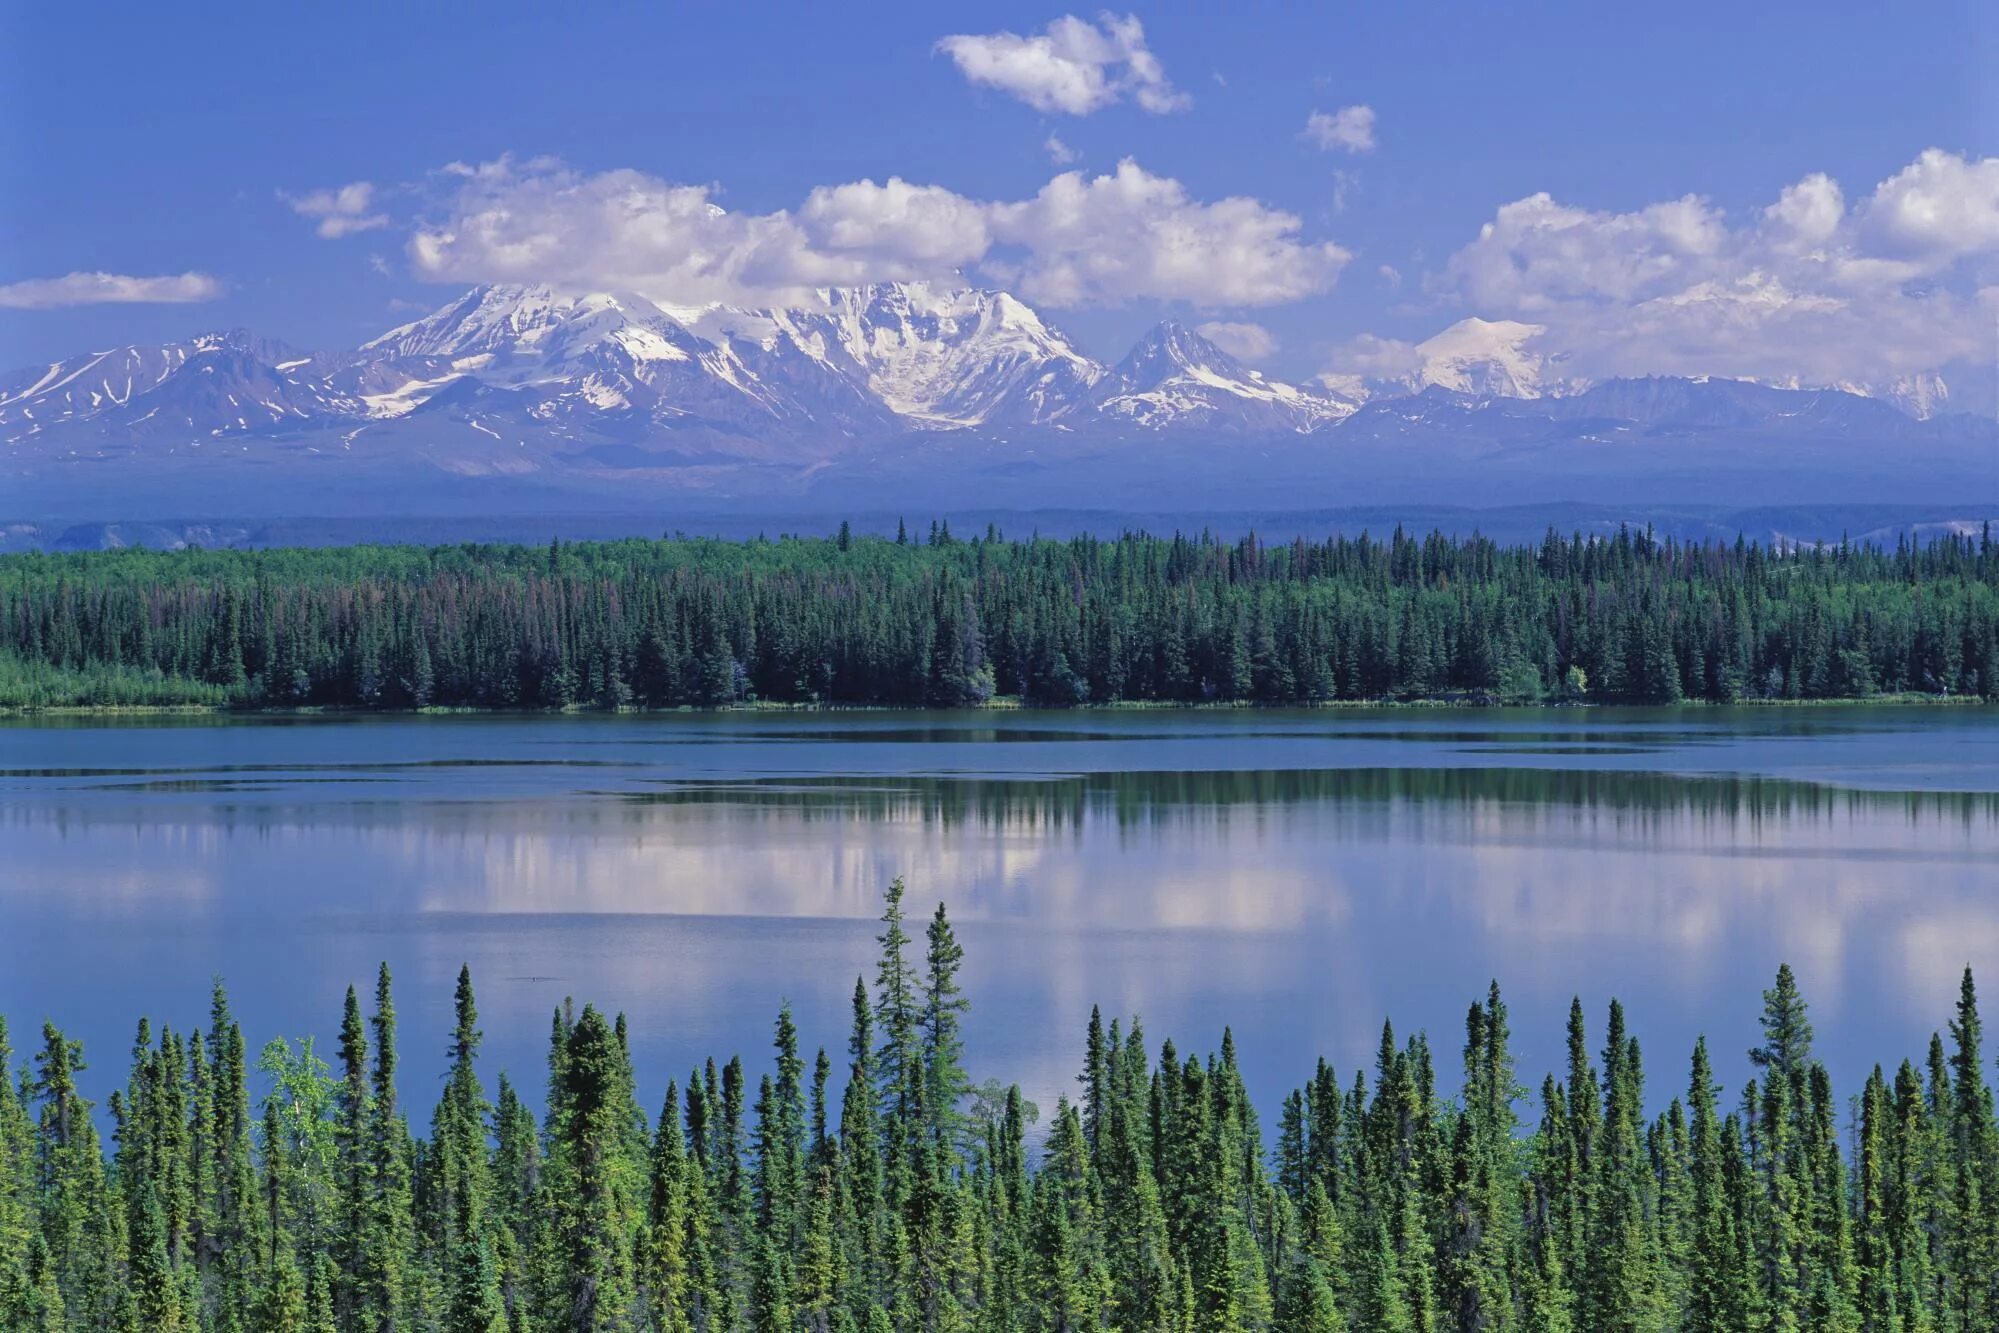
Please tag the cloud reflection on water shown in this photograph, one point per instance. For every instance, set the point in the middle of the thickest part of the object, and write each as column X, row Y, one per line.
column 1299, row 905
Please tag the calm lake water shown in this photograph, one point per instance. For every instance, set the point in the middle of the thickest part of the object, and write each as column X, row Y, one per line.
column 1297, row 875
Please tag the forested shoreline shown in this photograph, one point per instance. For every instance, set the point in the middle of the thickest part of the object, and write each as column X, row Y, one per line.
column 947, row 622
column 295, row 1195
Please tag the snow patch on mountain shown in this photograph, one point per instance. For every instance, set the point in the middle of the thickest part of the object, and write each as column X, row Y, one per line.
column 1482, row 358
column 1177, row 377
column 612, row 375
column 1491, row 358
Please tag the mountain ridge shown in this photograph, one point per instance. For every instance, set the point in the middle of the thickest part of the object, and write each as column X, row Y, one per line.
column 909, row 389
column 870, row 362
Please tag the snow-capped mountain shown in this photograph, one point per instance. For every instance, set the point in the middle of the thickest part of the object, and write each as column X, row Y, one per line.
column 1491, row 358
column 612, row 361
column 903, row 393
column 207, row 386
column 933, row 358
column 1921, row 395
column 1484, row 358
column 1176, row 377
column 864, row 363
column 1505, row 358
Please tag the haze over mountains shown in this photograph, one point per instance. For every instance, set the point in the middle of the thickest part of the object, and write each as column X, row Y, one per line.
column 523, row 398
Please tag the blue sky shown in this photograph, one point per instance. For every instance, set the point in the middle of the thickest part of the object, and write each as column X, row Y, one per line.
column 140, row 142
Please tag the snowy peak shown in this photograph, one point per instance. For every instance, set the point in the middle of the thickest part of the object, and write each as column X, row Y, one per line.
column 1176, row 377
column 213, row 384
column 1921, row 395
column 945, row 358
column 1479, row 358
column 1505, row 358
column 853, row 369
column 523, row 326
column 1171, row 349
column 486, row 319
column 1489, row 358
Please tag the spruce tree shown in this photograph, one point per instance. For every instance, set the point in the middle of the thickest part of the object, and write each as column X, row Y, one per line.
column 943, row 1010
column 590, row 1274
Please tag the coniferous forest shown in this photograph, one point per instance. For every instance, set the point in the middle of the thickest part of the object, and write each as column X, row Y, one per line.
column 947, row 622
column 288, row 1194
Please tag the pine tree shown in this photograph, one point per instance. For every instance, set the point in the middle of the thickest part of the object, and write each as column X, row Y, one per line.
column 1624, row 1262
column 1306, row 1304
column 1383, row 1208
column 388, row 1239
column 1718, row 1296
column 664, row 1261
column 460, row 1183
column 79, row 1222
column 898, row 1063
column 943, row 1009
column 1973, row 1208
column 589, row 1274
column 18, row 1199
column 475, row 1304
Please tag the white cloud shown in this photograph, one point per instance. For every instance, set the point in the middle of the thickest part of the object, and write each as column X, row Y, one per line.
column 1072, row 66
column 539, row 221
column 1807, row 214
column 1080, row 241
column 108, row 288
column 925, row 226
column 1344, row 184
column 1132, row 235
column 1369, row 356
column 1245, row 342
column 1061, row 154
column 1806, row 290
column 1350, row 129
column 1940, row 205
column 341, row 211
column 1537, row 252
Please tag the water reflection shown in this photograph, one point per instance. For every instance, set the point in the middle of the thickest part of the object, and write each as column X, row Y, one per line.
column 1298, row 904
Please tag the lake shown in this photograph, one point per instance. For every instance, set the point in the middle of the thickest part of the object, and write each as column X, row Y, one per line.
column 1298, row 875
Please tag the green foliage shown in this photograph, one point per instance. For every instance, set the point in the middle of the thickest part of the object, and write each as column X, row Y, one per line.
column 1150, row 1205
column 949, row 623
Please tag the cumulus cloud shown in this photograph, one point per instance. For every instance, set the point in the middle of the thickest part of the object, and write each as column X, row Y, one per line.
column 540, row 221
column 1536, row 252
column 1940, row 206
column 1350, row 129
column 1808, row 289
column 1061, row 154
column 925, row 226
column 1131, row 235
column 341, row 211
column 1245, row 342
column 108, row 288
column 1369, row 356
column 1807, row 214
column 1080, row 241
column 1071, row 67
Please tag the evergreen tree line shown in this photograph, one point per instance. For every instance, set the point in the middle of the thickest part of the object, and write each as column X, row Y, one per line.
column 911, row 1200
column 951, row 623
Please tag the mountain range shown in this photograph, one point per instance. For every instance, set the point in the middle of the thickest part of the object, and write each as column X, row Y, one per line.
column 911, row 393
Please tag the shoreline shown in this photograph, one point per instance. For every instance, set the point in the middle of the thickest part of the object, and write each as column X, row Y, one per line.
column 1001, row 705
